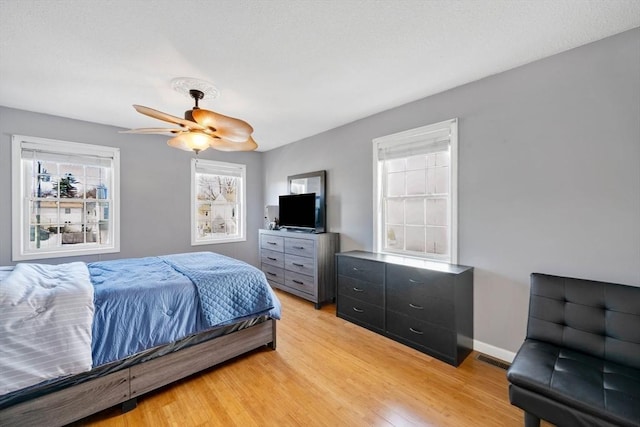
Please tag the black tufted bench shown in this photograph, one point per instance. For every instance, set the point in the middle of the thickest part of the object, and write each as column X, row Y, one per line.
column 580, row 362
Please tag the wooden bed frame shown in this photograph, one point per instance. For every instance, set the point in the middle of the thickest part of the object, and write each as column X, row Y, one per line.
column 125, row 386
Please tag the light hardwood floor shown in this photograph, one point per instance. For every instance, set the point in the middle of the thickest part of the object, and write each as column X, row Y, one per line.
column 328, row 372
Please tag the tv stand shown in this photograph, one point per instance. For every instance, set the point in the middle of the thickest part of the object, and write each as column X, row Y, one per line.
column 301, row 263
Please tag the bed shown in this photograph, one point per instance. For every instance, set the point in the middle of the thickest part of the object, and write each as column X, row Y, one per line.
column 78, row 338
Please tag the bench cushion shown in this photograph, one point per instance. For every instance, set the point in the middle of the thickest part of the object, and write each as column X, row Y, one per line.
column 604, row 389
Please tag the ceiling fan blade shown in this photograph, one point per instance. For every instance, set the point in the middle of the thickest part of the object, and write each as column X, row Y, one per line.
column 192, row 141
column 155, row 130
column 227, row 145
column 167, row 117
column 226, row 127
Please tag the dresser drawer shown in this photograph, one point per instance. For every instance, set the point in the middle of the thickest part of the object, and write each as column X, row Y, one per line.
column 299, row 264
column 419, row 285
column 369, row 292
column 433, row 310
column 301, row 247
column 298, row 281
column 369, row 315
column 273, row 274
column 274, row 243
column 429, row 336
column 361, row 269
column 272, row 258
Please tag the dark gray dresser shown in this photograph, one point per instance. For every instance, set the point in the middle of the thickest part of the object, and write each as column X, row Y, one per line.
column 300, row 263
column 425, row 305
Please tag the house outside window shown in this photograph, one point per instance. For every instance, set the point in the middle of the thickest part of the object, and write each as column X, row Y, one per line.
column 415, row 192
column 65, row 198
column 218, row 195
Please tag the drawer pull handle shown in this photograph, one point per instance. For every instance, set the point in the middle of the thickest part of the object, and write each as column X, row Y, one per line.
column 297, row 265
column 298, row 282
column 272, row 259
column 358, row 290
column 299, row 247
column 417, row 307
column 357, row 269
column 415, row 282
column 272, row 243
column 358, row 310
column 415, row 331
column 271, row 274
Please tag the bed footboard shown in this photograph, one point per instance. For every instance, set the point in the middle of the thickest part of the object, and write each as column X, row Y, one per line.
column 79, row 401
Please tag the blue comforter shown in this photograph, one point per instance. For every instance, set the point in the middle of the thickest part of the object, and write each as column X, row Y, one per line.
column 142, row 303
column 228, row 289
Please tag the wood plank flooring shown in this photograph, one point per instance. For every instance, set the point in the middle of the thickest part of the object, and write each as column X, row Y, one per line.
column 328, row 372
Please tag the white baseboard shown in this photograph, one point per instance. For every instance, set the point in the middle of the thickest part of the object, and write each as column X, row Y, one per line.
column 493, row 351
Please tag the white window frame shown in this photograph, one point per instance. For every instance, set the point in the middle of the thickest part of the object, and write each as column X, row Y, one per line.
column 416, row 136
column 20, row 200
column 218, row 168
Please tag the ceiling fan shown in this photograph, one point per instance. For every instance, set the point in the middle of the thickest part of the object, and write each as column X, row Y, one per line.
column 200, row 129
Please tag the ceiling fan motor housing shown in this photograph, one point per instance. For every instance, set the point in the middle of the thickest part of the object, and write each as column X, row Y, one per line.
column 196, row 95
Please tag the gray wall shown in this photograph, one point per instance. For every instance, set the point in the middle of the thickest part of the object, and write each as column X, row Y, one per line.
column 549, row 176
column 155, row 188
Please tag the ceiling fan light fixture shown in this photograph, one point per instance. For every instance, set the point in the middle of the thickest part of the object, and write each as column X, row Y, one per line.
column 191, row 141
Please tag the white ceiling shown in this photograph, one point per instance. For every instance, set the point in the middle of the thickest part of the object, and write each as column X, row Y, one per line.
column 290, row 68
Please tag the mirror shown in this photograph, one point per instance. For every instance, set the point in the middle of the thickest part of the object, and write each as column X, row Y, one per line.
column 312, row 182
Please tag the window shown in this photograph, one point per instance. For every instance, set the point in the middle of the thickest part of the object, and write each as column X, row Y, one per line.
column 416, row 192
column 218, row 202
column 65, row 198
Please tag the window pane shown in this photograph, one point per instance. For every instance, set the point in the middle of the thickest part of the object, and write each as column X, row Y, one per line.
column 40, row 237
column 104, row 236
column 67, row 187
column 91, row 212
column 94, row 173
column 395, row 211
column 92, row 189
column 395, row 237
column 204, row 228
column 395, row 165
column 416, row 182
column 437, row 211
column 219, row 215
column 416, row 162
column 395, row 184
column 416, row 239
column 437, row 242
column 43, row 212
column 229, row 188
column 231, row 226
column 209, row 187
column 72, row 169
column 47, row 189
column 440, row 180
column 415, row 212
column 431, row 160
column 38, row 184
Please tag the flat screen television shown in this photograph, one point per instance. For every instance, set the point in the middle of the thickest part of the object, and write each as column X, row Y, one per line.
column 297, row 211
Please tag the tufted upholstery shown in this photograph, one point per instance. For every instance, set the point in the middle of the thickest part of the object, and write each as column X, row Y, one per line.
column 580, row 362
column 592, row 317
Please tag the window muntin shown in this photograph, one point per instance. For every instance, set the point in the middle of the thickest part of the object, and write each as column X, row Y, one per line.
column 218, row 202
column 65, row 198
column 415, row 192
